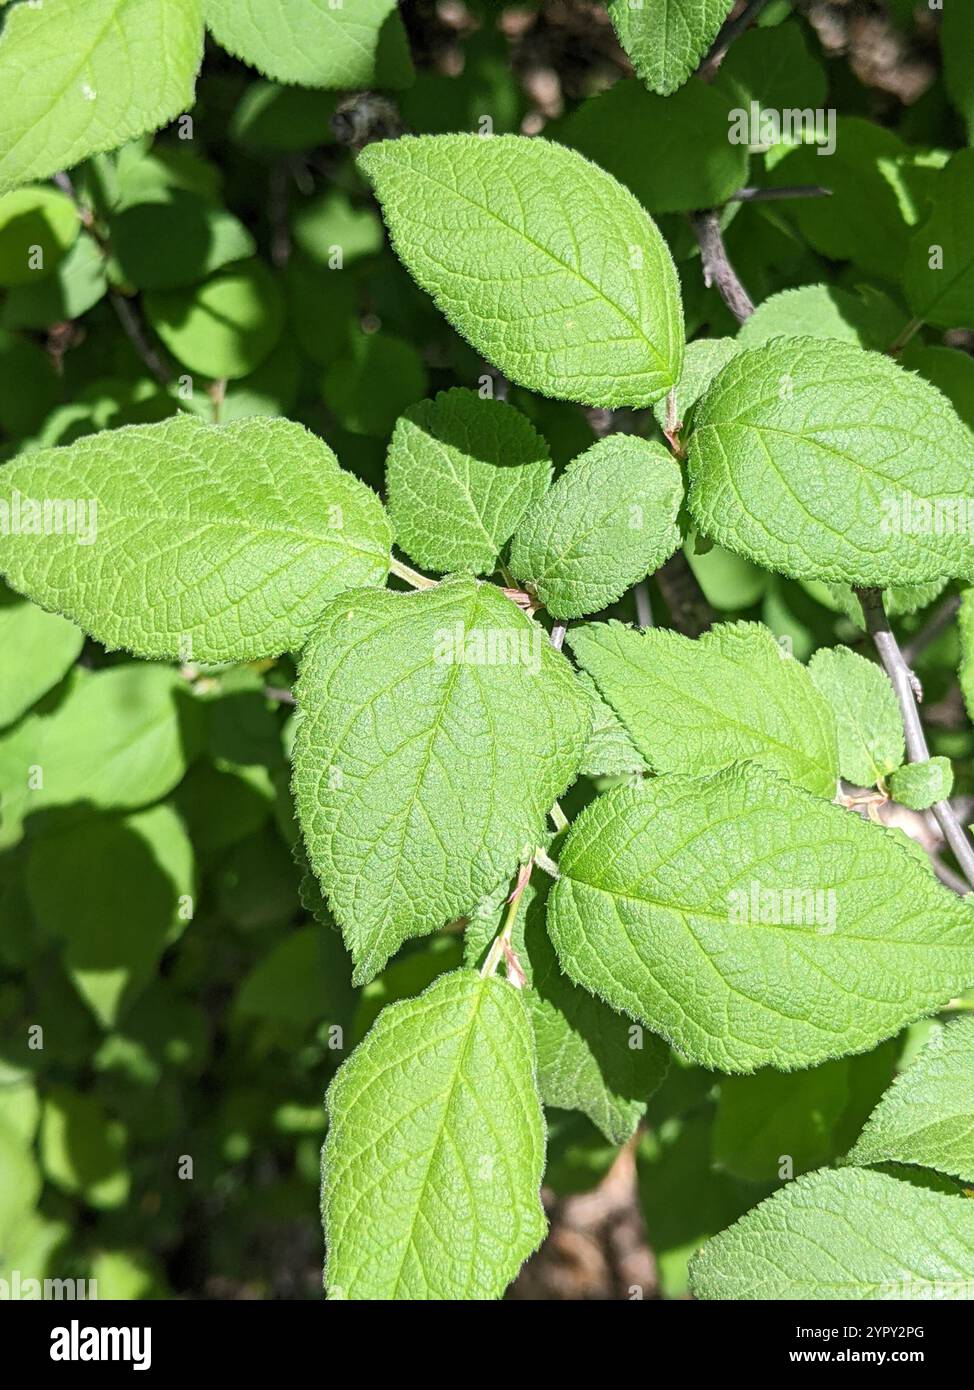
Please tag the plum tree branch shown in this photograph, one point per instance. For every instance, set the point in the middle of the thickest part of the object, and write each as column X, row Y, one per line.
column 905, row 685
column 717, row 269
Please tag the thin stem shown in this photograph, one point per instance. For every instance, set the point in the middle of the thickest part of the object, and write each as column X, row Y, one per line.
column 717, row 269
column 908, row 331
column 501, row 946
column 279, row 695
column 730, row 31
column 561, row 821
column 411, row 576
column 128, row 317
column 558, row 635
column 905, row 685
column 774, row 195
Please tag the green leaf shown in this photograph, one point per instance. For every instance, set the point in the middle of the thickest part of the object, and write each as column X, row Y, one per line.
column 40, row 649
column 698, row 705
column 774, row 67
column 224, row 327
column 37, row 229
column 868, row 717
column 965, row 623
column 667, row 39
column 206, row 542
column 437, row 730
column 863, row 220
column 119, row 738
column 549, row 267
column 919, row 785
column 610, row 750
column 927, row 1115
column 694, row 165
column 731, row 914
column 370, row 386
column 813, row 458
column 79, row 79
column 939, row 273
column 170, row 238
column 292, row 984
column 78, row 283
column 702, row 361
column 460, row 474
column 431, row 1171
column 950, row 370
column 609, row 520
column 848, row 1234
column 83, row 1149
column 822, row 311
column 315, row 43
column 82, row 886
column 589, row 1058
column 770, row 1117
column 21, row 1185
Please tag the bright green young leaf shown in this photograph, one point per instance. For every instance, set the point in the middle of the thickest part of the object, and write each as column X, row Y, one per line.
column 847, row 1234
column 609, row 520
column 667, row 39
column 39, row 647
column 37, row 229
column 436, row 1117
column 460, row 474
column 696, row 706
column 693, row 164
column 437, row 730
column 224, row 327
column 543, row 261
column 730, row 915
column 814, row 458
column 113, row 892
column 927, row 1115
column 702, row 360
column 203, row 542
column 119, row 738
column 939, row 273
column 315, row 43
column 79, row 79
column 610, row 750
column 919, row 785
column 870, row 725
column 589, row 1058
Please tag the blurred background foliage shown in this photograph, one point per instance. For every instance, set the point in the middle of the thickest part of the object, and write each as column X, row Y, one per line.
column 165, row 1136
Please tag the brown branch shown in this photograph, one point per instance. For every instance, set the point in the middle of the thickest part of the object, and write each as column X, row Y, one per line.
column 772, row 195
column 729, row 32
column 907, row 689
column 717, row 269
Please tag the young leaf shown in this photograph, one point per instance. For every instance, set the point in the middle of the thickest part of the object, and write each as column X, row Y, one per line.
column 667, row 39
column 610, row 519
column 774, row 67
column 849, row 1234
column 203, row 542
column 939, row 272
column 927, row 1115
column 609, row 752
column 543, row 261
column 435, row 1149
column 814, row 458
column 460, row 474
column 868, row 718
column 702, row 360
column 315, row 43
column 730, row 915
column 37, row 229
column 697, row 705
column 79, row 79
column 822, row 311
column 919, row 785
column 589, row 1058
column 437, row 730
